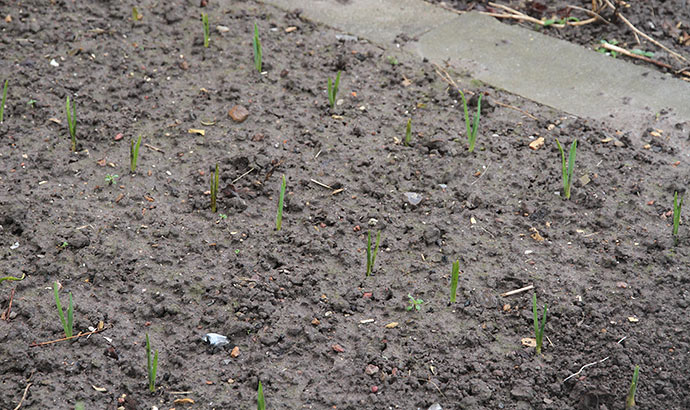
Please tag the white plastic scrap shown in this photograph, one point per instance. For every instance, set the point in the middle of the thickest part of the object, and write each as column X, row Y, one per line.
column 215, row 339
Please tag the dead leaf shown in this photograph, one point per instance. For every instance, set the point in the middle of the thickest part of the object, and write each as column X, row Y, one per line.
column 633, row 319
column 55, row 120
column 391, row 325
column 235, row 352
column 529, row 342
column 536, row 236
column 406, row 82
column 290, row 29
column 536, row 144
column 196, row 131
column 185, row 400
column 99, row 389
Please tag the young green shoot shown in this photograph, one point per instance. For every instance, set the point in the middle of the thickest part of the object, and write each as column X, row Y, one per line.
column 256, row 44
column 371, row 256
column 408, row 132
column 538, row 328
column 151, row 365
column 110, row 179
column 677, row 205
column 567, row 168
column 4, row 99
column 260, row 402
column 630, row 399
column 134, row 154
column 415, row 304
column 281, row 199
column 79, row 405
column 207, row 32
column 72, row 124
column 67, row 324
column 333, row 90
column 454, row 280
column 471, row 128
column 12, row 278
column 136, row 16
column 214, row 189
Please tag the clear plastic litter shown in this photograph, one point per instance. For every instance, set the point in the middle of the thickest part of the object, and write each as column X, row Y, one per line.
column 215, row 339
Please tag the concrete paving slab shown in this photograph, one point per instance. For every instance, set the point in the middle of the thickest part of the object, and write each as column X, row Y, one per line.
column 549, row 71
column 554, row 72
column 379, row 21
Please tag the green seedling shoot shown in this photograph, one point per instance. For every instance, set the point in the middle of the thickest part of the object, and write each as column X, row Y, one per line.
column 471, row 128
column 134, row 154
column 415, row 304
column 538, row 328
column 110, row 179
column 4, row 99
column 72, row 124
column 260, row 402
column 630, row 399
column 12, row 278
column 136, row 16
column 408, row 132
column 567, row 168
column 281, row 199
column 151, row 365
column 256, row 44
column 79, row 405
column 371, row 256
column 207, row 32
column 68, row 324
column 454, row 280
column 214, row 189
column 333, row 90
column 677, row 205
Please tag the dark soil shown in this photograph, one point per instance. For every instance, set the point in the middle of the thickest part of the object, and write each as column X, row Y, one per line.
column 147, row 255
column 668, row 22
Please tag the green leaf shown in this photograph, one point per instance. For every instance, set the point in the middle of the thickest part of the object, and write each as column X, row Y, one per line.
column 260, row 402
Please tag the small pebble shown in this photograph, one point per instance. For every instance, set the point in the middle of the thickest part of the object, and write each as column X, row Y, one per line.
column 238, row 113
column 374, row 389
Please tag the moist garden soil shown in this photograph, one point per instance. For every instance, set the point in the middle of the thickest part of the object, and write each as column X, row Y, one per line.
column 145, row 255
column 667, row 22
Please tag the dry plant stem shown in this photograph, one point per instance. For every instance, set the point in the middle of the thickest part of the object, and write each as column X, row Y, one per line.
column 242, row 176
column 26, row 390
column 516, row 291
column 154, row 148
column 6, row 314
column 321, row 184
column 623, row 51
column 34, row 344
column 584, row 367
column 637, row 31
column 592, row 13
column 515, row 108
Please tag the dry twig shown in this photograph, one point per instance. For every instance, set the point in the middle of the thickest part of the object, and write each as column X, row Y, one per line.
column 26, row 390
column 34, row 344
column 625, row 52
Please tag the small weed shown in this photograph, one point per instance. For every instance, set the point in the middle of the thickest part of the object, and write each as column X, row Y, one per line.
column 371, row 256
column 561, row 21
column 567, row 171
column 64, row 245
column 538, row 328
column 12, row 278
column 4, row 99
column 408, row 132
column 136, row 16
column 151, row 365
column 260, row 402
column 79, row 405
column 415, row 304
column 279, row 218
column 223, row 216
column 207, row 31
column 392, row 60
column 134, row 154
column 603, row 50
column 256, row 44
column 67, row 324
column 630, row 399
column 471, row 129
column 214, row 189
column 643, row 53
column 333, row 90
column 72, row 124
column 110, row 179
column 454, row 280
column 677, row 205
column 32, row 103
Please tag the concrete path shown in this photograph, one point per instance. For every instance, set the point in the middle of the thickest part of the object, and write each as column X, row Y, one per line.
column 549, row 71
